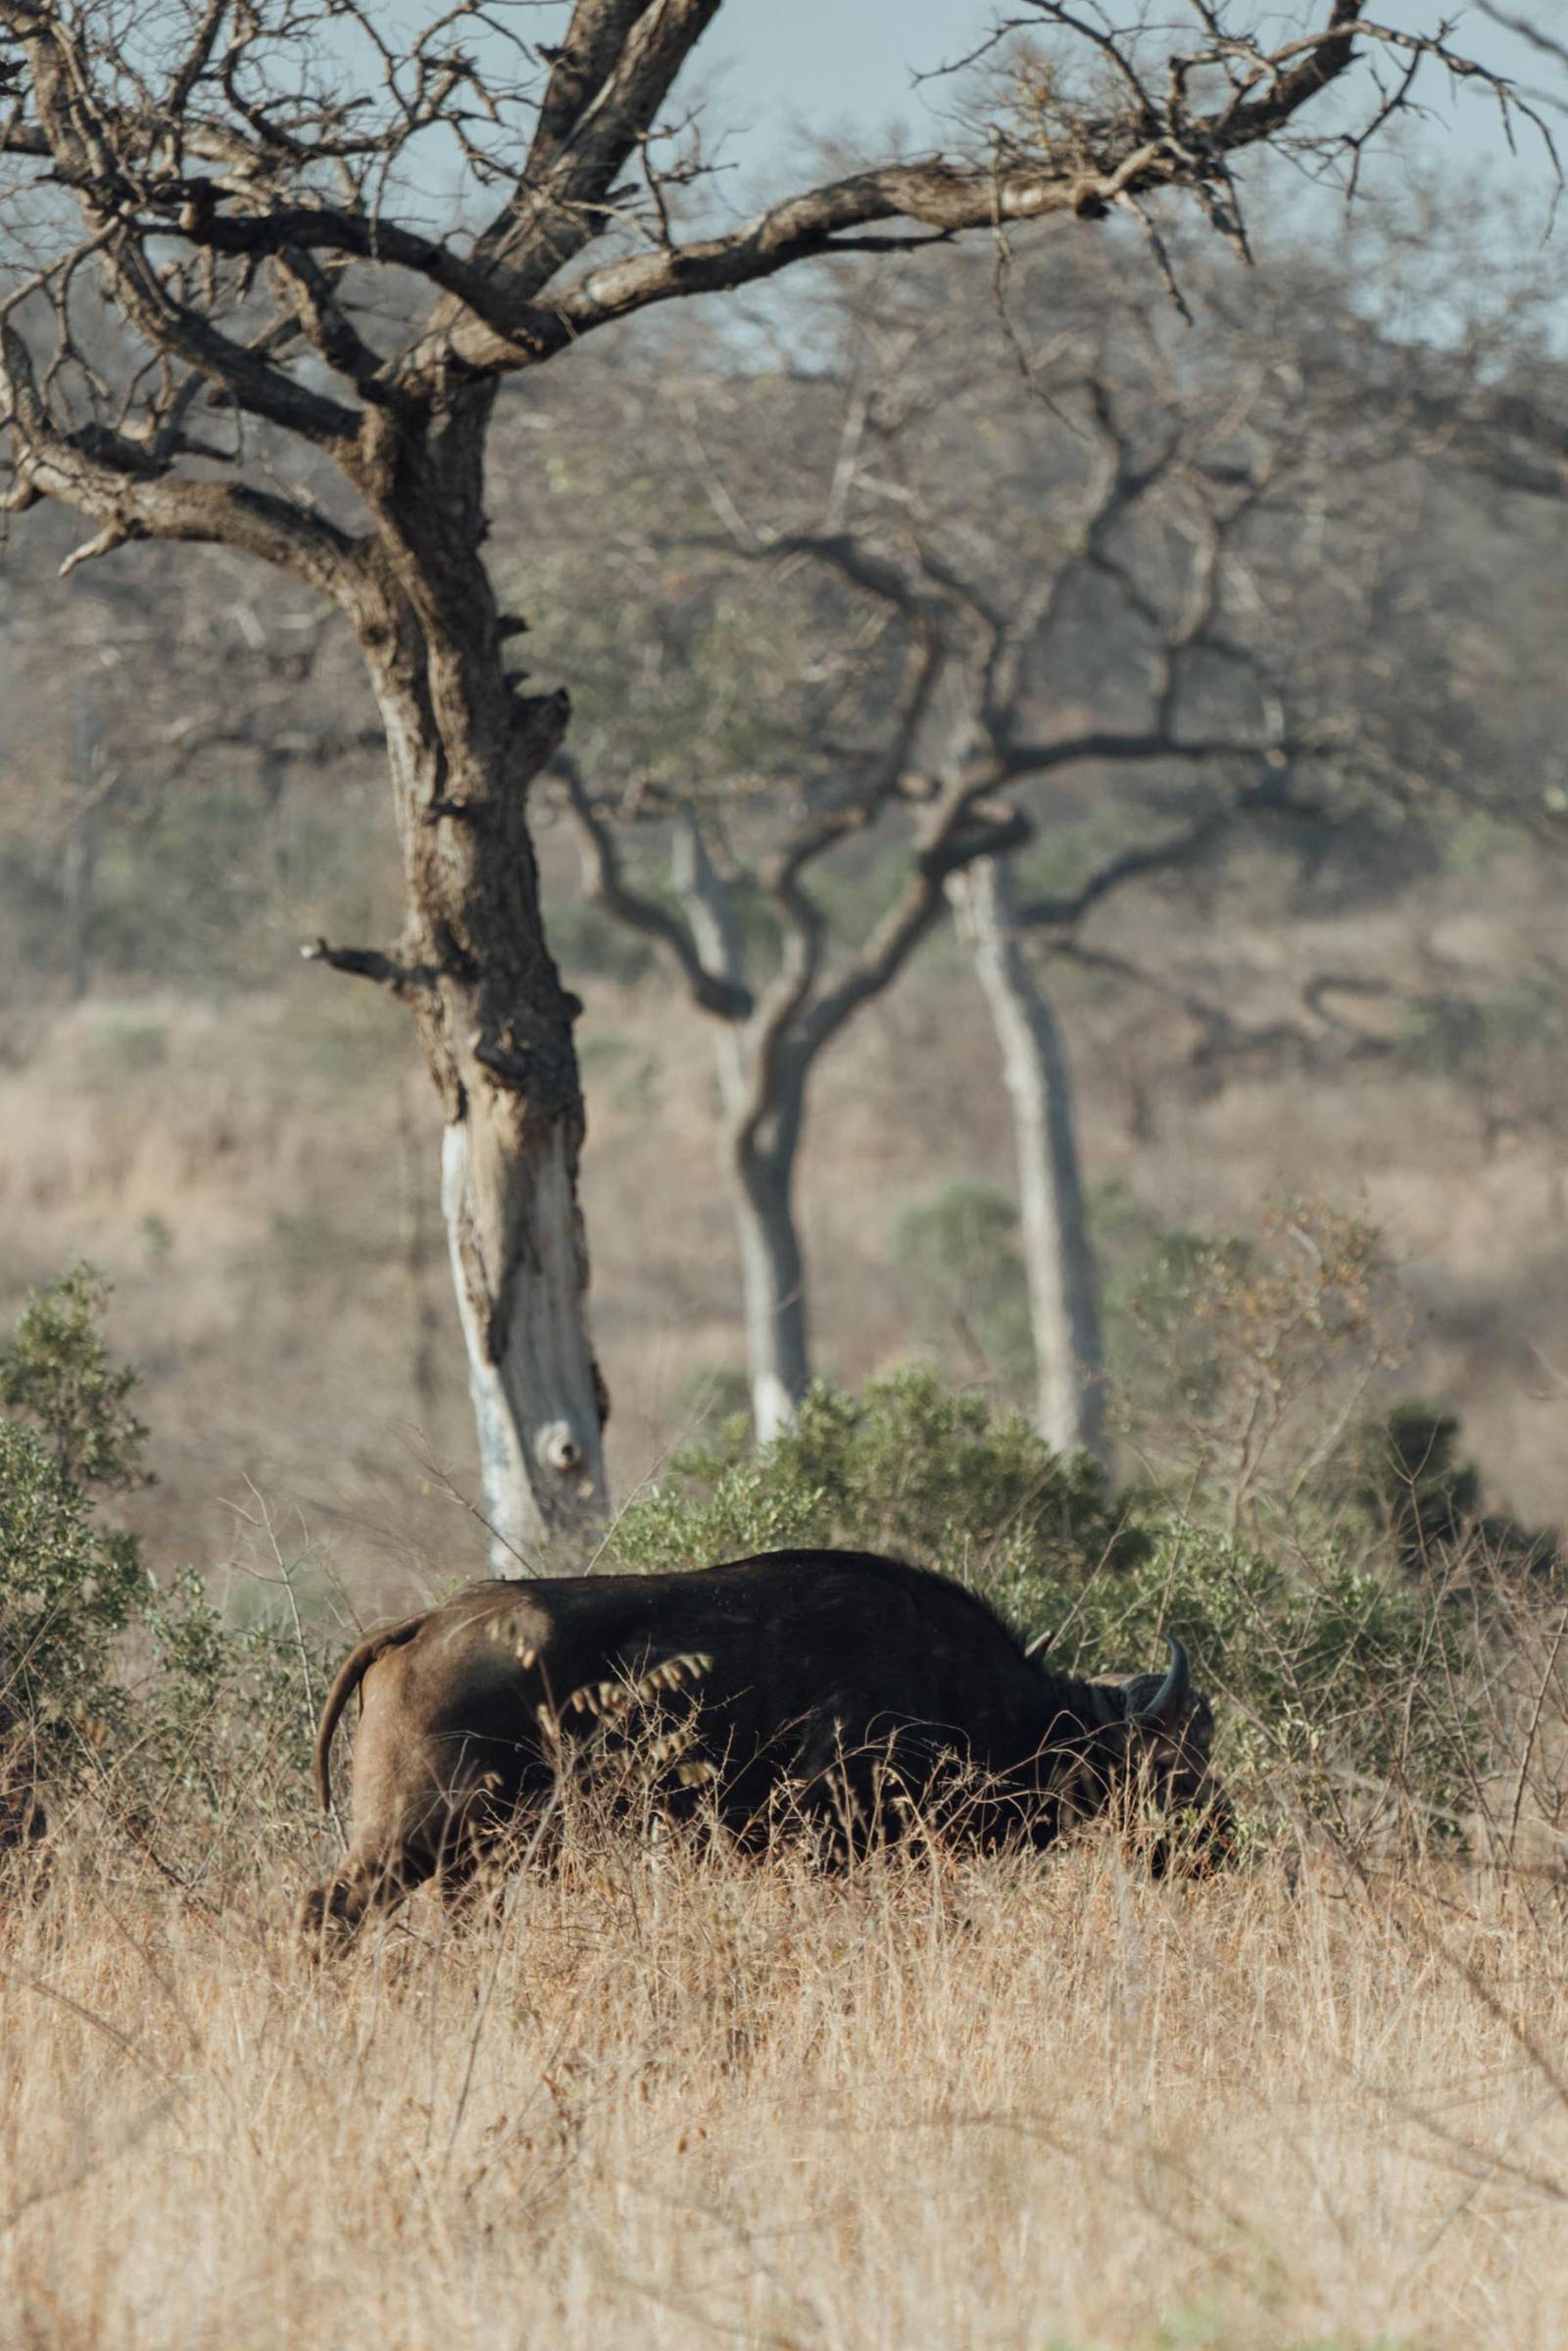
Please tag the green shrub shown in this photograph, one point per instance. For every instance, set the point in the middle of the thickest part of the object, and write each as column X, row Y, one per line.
column 907, row 1466
column 149, row 1697
column 55, row 1373
column 69, row 1588
column 1340, row 1681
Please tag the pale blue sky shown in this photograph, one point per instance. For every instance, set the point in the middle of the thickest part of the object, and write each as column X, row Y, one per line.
column 768, row 71
column 832, row 64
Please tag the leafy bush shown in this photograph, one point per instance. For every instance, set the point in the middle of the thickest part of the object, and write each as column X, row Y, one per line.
column 149, row 1697
column 1340, row 1679
column 1341, row 1683
column 68, row 1587
column 909, row 1465
column 54, row 1371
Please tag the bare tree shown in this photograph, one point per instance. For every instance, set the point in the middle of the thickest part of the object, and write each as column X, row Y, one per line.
column 225, row 322
column 919, row 742
column 1092, row 582
column 772, row 1035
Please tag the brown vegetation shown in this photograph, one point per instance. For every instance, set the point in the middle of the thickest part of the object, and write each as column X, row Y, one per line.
column 244, row 1173
column 661, row 2098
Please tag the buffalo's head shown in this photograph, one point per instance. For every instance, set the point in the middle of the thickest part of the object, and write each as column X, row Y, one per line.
column 1169, row 1735
column 1141, row 1747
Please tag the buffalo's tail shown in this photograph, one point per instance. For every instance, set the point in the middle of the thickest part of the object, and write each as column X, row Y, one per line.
column 351, row 1674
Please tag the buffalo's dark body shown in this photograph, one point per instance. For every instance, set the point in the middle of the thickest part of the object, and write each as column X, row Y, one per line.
column 853, row 1687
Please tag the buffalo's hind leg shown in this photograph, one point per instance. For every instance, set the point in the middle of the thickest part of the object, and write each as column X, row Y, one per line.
column 489, row 1845
column 333, row 1913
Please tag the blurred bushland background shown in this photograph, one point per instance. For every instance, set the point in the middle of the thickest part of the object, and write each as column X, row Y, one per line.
column 1321, row 961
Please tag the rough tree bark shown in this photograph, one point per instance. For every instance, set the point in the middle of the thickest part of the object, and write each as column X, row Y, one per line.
column 494, row 1020
column 1058, row 1255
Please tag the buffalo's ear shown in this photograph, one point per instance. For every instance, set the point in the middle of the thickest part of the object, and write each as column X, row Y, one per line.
column 1156, row 1702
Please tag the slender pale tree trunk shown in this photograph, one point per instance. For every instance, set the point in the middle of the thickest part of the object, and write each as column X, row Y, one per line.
column 773, row 1277
column 760, row 1143
column 1063, row 1285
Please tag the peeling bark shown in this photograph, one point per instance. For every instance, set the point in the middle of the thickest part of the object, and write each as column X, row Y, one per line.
column 520, row 1272
column 495, row 1024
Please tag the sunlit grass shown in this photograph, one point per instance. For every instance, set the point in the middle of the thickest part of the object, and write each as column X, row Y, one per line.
column 658, row 2097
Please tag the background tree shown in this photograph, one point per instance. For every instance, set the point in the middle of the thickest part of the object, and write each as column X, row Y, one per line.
column 1230, row 476
column 1017, row 582
column 223, row 323
column 773, row 1034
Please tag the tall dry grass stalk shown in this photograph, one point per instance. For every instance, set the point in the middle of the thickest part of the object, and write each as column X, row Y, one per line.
column 660, row 2097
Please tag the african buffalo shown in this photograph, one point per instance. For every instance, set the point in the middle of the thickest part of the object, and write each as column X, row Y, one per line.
column 849, row 1688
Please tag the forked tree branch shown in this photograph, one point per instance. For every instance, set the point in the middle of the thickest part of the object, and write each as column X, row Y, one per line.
column 958, row 834
column 260, row 182
column 129, row 492
column 607, row 886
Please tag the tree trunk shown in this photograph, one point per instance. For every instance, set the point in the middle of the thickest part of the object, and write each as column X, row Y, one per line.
column 757, row 1151
column 1063, row 1285
column 495, row 1023
column 520, row 1264
column 773, row 1278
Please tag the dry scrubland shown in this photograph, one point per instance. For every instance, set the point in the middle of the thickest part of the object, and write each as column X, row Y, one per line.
column 252, row 1172
column 664, row 2099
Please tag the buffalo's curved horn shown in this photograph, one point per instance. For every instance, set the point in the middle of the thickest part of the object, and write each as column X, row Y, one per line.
column 1040, row 1643
column 1163, row 1709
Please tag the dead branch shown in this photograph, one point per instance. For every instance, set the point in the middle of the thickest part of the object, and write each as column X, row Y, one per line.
column 606, row 880
column 368, row 963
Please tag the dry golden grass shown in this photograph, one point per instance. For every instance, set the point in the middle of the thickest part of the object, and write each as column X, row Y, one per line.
column 665, row 2099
